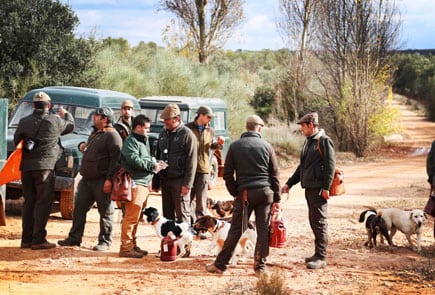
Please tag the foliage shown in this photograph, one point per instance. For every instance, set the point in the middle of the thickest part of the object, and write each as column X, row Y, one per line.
column 415, row 77
column 38, row 47
column 274, row 284
column 207, row 23
column 262, row 102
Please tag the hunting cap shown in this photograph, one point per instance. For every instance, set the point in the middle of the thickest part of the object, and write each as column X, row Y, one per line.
column 106, row 112
column 205, row 111
column 127, row 103
column 255, row 119
column 310, row 118
column 41, row 96
column 170, row 111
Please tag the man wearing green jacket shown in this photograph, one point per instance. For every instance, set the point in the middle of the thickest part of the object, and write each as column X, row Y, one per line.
column 315, row 172
column 136, row 159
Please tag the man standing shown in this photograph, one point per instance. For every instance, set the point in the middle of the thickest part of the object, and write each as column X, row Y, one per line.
column 177, row 146
column 251, row 177
column 101, row 155
column 136, row 159
column 315, row 172
column 206, row 144
column 430, row 168
column 42, row 130
column 123, row 125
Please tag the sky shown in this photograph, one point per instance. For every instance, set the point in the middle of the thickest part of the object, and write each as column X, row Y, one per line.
column 140, row 20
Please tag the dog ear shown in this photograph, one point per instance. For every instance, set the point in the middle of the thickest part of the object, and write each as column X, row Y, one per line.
column 410, row 215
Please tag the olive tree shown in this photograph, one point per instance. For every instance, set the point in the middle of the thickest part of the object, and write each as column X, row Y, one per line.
column 209, row 23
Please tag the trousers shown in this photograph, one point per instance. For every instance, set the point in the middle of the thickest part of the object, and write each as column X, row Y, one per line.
column 318, row 217
column 132, row 215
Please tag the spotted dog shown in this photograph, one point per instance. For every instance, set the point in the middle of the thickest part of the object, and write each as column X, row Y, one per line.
column 219, row 231
column 164, row 226
column 374, row 224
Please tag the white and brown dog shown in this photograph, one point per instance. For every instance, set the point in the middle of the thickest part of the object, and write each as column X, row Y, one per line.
column 219, row 230
column 408, row 222
column 164, row 226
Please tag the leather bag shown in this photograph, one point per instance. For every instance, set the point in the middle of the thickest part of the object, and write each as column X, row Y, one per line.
column 337, row 186
column 121, row 186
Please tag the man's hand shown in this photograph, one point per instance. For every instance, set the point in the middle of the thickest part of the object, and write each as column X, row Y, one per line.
column 107, row 187
column 285, row 189
column 325, row 194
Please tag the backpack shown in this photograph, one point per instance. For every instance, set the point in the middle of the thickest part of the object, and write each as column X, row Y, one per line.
column 121, row 186
column 337, row 187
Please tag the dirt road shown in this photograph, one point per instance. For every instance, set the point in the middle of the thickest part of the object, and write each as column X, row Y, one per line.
column 395, row 178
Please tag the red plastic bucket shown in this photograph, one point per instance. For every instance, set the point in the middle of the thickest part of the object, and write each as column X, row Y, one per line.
column 168, row 249
column 278, row 234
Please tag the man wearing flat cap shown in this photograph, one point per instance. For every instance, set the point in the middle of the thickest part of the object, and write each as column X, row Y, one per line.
column 251, row 177
column 177, row 146
column 315, row 173
column 40, row 133
column 207, row 143
column 101, row 155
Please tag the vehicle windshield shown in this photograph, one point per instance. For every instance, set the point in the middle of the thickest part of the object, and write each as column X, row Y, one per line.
column 82, row 115
column 156, row 123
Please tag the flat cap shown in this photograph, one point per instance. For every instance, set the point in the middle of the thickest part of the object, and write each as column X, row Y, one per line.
column 170, row 111
column 309, row 118
column 255, row 119
column 127, row 103
column 41, row 96
column 205, row 111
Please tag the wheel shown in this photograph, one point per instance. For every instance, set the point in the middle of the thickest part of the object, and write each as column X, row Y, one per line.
column 66, row 204
column 213, row 173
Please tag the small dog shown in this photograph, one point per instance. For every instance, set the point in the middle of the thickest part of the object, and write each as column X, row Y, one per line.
column 220, row 209
column 374, row 224
column 408, row 222
column 164, row 226
column 219, row 230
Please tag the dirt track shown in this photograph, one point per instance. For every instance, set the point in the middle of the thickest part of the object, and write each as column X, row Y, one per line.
column 395, row 178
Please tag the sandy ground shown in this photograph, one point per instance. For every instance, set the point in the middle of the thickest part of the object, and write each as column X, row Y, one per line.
column 394, row 178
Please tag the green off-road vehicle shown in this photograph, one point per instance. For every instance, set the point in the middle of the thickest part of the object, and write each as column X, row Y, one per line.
column 152, row 107
column 81, row 103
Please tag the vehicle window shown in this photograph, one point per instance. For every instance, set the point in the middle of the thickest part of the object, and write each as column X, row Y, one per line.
column 152, row 114
column 219, row 121
column 24, row 109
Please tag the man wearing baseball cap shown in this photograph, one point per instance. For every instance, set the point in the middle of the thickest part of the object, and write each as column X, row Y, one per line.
column 40, row 133
column 207, row 143
column 101, row 157
column 123, row 125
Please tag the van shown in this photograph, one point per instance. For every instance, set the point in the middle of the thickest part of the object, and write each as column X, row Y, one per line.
column 81, row 103
column 152, row 107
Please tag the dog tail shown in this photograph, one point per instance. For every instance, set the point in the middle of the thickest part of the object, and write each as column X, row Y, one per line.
column 380, row 213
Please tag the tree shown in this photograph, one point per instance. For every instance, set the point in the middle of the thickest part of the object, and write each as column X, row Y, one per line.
column 38, row 47
column 208, row 22
column 355, row 40
column 296, row 24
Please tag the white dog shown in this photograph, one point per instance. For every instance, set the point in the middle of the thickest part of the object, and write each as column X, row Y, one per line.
column 408, row 222
column 164, row 226
column 219, row 230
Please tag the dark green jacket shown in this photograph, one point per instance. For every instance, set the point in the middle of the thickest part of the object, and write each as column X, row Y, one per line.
column 315, row 170
column 251, row 163
column 136, row 158
column 46, row 129
column 179, row 149
column 430, row 164
column 102, row 155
